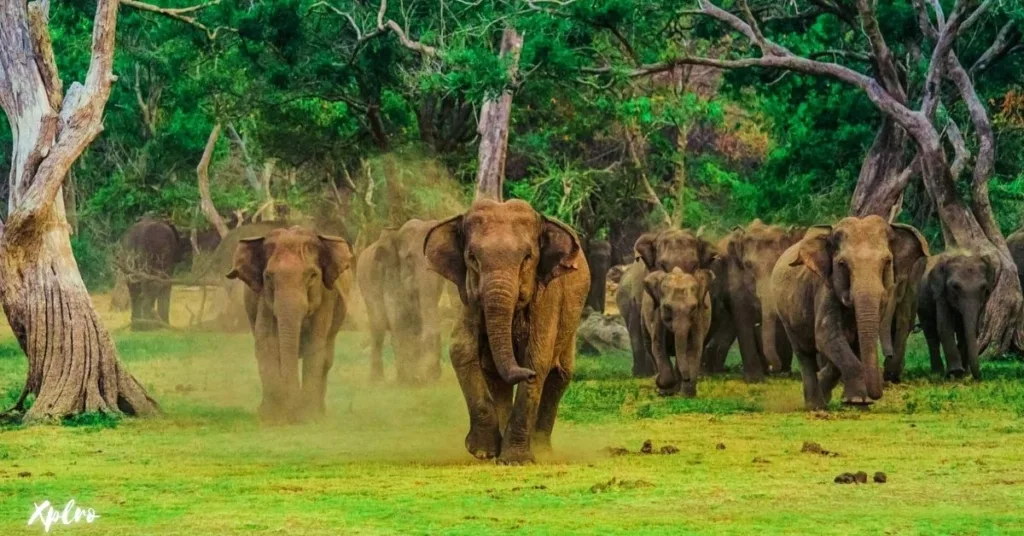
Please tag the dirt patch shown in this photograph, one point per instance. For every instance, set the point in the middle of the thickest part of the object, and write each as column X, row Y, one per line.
column 615, row 485
column 810, row 447
column 760, row 460
column 24, row 474
column 648, row 447
column 669, row 449
column 720, row 446
column 616, row 451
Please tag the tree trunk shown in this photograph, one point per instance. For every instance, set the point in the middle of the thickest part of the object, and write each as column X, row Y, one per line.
column 203, row 173
column 882, row 179
column 495, row 116
column 599, row 256
column 73, row 364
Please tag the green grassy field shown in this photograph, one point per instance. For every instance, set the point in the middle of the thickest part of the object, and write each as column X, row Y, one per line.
column 391, row 461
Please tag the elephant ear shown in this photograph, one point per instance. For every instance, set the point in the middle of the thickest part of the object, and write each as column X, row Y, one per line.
column 644, row 247
column 249, row 263
column 652, row 285
column 335, row 258
column 704, row 280
column 443, row 247
column 907, row 245
column 560, row 250
column 707, row 252
column 814, row 254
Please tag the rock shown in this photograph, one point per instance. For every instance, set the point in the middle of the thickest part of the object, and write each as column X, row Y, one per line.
column 880, row 478
column 720, row 446
column 669, row 449
column 811, row 447
column 845, row 478
column 648, row 447
column 600, row 333
column 861, row 477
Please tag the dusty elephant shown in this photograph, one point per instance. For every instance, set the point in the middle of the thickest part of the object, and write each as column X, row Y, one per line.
column 910, row 258
column 402, row 297
column 150, row 250
column 676, row 317
column 743, row 301
column 662, row 250
column 830, row 290
column 952, row 295
column 294, row 311
column 523, row 280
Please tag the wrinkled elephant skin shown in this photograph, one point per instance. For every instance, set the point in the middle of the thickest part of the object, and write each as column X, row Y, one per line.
column 676, row 317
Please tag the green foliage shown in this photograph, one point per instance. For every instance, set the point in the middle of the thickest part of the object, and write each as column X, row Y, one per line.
column 92, row 422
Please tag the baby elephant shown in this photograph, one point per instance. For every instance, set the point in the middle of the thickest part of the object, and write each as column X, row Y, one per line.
column 952, row 295
column 676, row 316
column 294, row 311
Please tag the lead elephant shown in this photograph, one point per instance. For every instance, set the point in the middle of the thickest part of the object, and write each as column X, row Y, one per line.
column 295, row 312
column 150, row 249
column 522, row 280
column 830, row 290
column 402, row 296
column 952, row 295
column 676, row 317
column 661, row 250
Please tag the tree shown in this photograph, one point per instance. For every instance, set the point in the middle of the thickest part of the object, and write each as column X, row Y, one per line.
column 73, row 364
column 967, row 221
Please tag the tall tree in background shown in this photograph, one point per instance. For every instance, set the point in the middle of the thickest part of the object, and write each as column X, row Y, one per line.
column 967, row 221
column 73, row 364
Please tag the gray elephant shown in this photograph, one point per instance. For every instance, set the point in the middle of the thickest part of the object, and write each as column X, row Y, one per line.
column 910, row 258
column 661, row 250
column 522, row 279
column 295, row 312
column 149, row 252
column 952, row 295
column 402, row 294
column 676, row 317
column 830, row 290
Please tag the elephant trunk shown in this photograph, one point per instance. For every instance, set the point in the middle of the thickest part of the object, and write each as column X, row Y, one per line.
column 687, row 370
column 499, row 296
column 971, row 313
column 290, row 313
column 768, row 324
column 867, row 307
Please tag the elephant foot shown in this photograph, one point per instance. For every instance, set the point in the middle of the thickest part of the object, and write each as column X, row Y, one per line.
column 670, row 391
column 863, row 401
column 541, row 442
column 892, row 377
column 816, row 405
column 483, row 443
column 956, row 373
column 515, row 457
column 688, row 389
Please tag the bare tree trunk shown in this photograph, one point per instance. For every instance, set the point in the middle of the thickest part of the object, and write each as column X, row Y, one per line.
column 882, row 179
column 70, row 191
column 494, row 125
column 73, row 365
column 243, row 150
column 203, row 172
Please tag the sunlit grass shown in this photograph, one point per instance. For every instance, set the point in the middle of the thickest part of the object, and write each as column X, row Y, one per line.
column 390, row 460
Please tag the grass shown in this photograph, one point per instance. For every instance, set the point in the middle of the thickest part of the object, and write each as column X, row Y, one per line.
column 390, row 460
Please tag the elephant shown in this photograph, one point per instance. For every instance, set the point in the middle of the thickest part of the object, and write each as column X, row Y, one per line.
column 522, row 279
column 952, row 295
column 232, row 315
column 1015, row 243
column 402, row 296
column 150, row 250
column 910, row 258
column 295, row 311
column 830, row 290
column 660, row 250
column 746, row 259
column 676, row 318
column 599, row 257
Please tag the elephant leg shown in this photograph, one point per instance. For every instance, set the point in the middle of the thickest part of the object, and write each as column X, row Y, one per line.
column 135, row 295
column 430, row 332
column 554, row 387
column 643, row 366
column 813, row 399
column 931, row 335
column 838, row 352
column 717, row 348
column 666, row 379
column 484, row 438
column 163, row 304
column 902, row 324
column 315, row 365
column 688, row 362
column 746, row 333
column 501, row 395
column 828, row 378
column 946, row 326
column 516, row 442
column 783, row 348
column 376, row 354
column 272, row 408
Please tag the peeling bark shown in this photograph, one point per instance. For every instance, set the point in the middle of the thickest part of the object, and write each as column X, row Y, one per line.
column 494, row 125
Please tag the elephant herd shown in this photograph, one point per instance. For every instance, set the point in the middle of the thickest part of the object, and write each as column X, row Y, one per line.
column 830, row 294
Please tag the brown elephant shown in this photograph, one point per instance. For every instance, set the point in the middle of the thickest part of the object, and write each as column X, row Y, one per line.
column 295, row 311
column 953, row 292
column 830, row 290
column 150, row 250
column 676, row 317
column 523, row 281
column 910, row 258
column 660, row 250
column 1015, row 243
column 747, row 257
column 402, row 296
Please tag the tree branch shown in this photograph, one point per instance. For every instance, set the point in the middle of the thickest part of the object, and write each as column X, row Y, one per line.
column 203, row 174
column 181, row 14
column 1007, row 38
